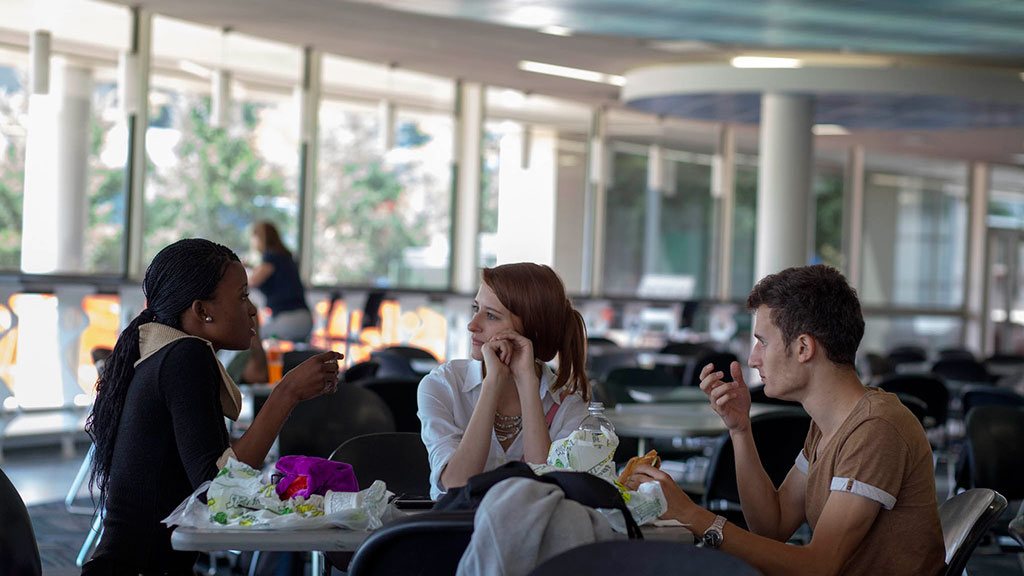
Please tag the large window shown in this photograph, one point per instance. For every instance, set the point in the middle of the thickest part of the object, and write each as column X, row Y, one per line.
column 13, row 129
column 624, row 228
column 915, row 232
column 214, row 180
column 828, row 187
column 744, row 228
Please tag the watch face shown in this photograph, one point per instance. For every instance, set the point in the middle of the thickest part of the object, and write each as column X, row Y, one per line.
column 712, row 539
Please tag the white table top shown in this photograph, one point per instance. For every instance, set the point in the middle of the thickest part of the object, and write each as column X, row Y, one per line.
column 673, row 420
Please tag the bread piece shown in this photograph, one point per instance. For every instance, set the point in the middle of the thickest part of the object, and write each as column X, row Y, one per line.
column 651, row 459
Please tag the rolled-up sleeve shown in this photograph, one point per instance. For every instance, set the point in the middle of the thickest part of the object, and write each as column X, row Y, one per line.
column 439, row 431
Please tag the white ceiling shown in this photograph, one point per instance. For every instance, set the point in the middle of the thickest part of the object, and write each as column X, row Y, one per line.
column 489, row 53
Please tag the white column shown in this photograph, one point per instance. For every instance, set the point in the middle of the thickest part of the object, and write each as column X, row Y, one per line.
column 570, row 189
column 784, row 182
column 853, row 216
column 220, row 99
column 386, row 125
column 469, row 118
column 136, row 78
column 975, row 327
column 56, row 164
column 652, row 214
column 309, row 114
column 594, row 205
column 527, row 199
column 39, row 52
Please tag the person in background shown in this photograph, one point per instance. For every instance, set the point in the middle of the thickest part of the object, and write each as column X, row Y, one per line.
column 505, row 403
column 864, row 481
column 158, row 419
column 277, row 277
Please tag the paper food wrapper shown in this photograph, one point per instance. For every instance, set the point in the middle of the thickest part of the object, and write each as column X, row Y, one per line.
column 586, row 451
column 238, row 498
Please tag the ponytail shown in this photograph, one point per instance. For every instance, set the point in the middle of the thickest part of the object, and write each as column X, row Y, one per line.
column 111, row 391
column 572, row 355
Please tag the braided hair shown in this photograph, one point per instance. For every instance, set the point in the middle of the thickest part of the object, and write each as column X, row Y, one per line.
column 181, row 273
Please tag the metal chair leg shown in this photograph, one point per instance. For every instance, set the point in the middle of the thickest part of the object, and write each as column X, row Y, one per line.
column 76, row 485
column 95, row 533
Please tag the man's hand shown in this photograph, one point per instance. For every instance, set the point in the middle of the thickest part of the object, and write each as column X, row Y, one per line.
column 680, row 507
column 730, row 400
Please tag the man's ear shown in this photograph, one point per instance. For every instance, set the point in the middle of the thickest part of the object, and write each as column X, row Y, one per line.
column 806, row 347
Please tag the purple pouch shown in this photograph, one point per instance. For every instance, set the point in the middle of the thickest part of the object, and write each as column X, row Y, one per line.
column 307, row 475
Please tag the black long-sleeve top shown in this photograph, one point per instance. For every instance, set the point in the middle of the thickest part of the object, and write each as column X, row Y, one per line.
column 169, row 439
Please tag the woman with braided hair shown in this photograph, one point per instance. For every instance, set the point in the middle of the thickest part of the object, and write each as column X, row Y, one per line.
column 506, row 404
column 158, row 419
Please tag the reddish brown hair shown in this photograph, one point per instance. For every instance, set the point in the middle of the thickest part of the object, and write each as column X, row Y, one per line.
column 268, row 233
column 537, row 296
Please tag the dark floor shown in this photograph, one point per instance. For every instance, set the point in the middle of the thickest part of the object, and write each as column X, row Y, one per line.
column 43, row 477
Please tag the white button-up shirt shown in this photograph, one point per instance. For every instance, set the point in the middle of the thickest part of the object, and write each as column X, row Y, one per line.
column 446, row 400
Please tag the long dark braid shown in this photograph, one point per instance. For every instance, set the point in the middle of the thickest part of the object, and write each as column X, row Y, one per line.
column 183, row 272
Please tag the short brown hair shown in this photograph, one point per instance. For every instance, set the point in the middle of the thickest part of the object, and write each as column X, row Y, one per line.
column 536, row 295
column 815, row 300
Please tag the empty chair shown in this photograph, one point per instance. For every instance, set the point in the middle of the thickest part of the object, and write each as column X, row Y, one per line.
column 974, row 396
column 600, row 365
column 360, row 371
column 394, row 365
column 643, row 558
column 412, row 352
column 994, row 455
column 928, row 388
column 685, row 348
column 427, row 544
column 779, row 437
column 1017, row 526
column 907, row 354
column 397, row 458
column 601, row 341
column 962, row 370
column 616, row 386
column 965, row 519
column 400, row 396
column 19, row 553
column 916, row 406
column 1005, row 364
column 878, row 365
column 956, row 354
column 721, row 360
column 316, row 427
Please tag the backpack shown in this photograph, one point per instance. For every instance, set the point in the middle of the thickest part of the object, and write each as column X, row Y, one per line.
column 582, row 487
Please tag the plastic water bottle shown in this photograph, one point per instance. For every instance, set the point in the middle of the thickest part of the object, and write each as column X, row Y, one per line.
column 596, row 422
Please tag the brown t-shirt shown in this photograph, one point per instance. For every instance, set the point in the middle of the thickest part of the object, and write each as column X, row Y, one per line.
column 880, row 452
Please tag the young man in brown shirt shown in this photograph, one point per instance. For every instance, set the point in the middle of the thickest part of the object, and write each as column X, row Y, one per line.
column 864, row 481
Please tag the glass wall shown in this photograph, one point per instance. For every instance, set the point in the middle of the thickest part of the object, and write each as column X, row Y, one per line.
column 13, row 131
column 233, row 172
column 915, row 232
column 624, row 224
column 744, row 228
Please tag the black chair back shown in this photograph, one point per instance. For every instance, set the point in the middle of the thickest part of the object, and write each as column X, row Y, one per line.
column 928, row 388
column 879, row 365
column 909, row 354
column 962, row 370
column 293, row 358
column 397, row 458
column 19, row 553
column 995, row 453
column 779, row 437
column 427, row 544
column 316, row 427
column 1017, row 526
column 974, row 396
column 360, row 371
column 1005, row 364
column 393, row 365
column 916, row 406
column 965, row 519
column 411, row 352
column 643, row 558
column 956, row 354
column 721, row 360
column 686, row 348
column 400, row 396
column 601, row 341
column 600, row 365
column 616, row 386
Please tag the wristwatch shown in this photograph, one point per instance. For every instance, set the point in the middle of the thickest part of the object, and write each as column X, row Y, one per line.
column 713, row 535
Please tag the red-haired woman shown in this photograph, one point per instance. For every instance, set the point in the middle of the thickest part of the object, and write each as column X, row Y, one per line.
column 277, row 277
column 505, row 404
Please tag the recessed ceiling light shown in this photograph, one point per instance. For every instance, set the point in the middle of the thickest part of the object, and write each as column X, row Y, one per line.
column 556, row 30
column 829, row 130
column 764, row 62
column 569, row 72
